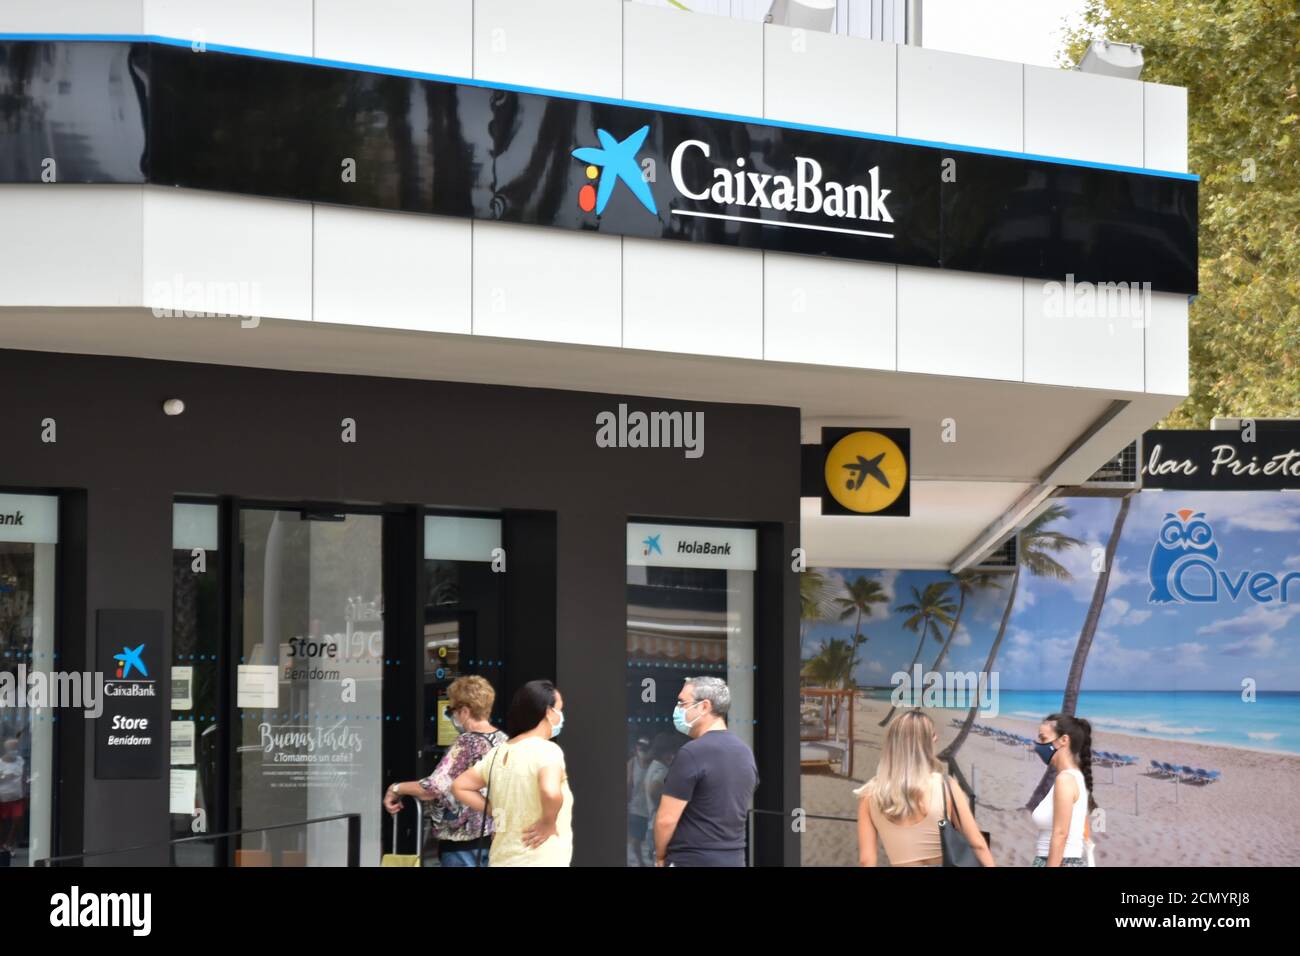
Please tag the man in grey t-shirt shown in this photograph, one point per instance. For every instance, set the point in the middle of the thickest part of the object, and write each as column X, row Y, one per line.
column 706, row 797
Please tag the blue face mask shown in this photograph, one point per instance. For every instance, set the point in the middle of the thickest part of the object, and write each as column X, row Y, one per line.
column 556, row 728
column 1045, row 751
column 679, row 719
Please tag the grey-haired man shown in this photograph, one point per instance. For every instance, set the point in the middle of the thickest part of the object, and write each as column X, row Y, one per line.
column 706, row 797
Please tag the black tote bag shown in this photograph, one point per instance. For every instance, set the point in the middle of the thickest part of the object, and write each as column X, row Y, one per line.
column 956, row 848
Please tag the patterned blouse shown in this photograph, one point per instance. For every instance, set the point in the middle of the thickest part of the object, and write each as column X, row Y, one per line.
column 452, row 820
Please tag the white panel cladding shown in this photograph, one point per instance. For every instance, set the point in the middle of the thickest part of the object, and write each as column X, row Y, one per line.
column 674, row 58
column 1084, row 335
column 77, row 245
column 1166, row 344
column 819, row 310
column 283, row 26
column 212, row 252
column 569, row 45
column 959, row 323
column 680, row 297
column 72, row 16
column 825, row 80
column 965, row 100
column 546, row 284
column 1164, row 113
column 1083, row 116
column 429, row 36
column 729, row 303
column 390, row 269
column 829, row 312
column 686, row 297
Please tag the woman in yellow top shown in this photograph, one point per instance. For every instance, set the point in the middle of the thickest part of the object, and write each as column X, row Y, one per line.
column 904, row 802
column 527, row 787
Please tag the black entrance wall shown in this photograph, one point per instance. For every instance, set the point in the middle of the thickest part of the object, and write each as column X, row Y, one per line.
column 276, row 436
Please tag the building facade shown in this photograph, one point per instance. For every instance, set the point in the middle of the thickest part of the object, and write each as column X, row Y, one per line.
column 392, row 261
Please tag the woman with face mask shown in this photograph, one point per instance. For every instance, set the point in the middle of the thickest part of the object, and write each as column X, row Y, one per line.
column 463, row 834
column 528, row 793
column 1065, row 745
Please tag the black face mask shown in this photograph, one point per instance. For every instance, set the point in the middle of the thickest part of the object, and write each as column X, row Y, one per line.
column 1046, row 751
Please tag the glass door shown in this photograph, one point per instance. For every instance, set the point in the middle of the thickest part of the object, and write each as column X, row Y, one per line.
column 28, row 542
column 309, row 684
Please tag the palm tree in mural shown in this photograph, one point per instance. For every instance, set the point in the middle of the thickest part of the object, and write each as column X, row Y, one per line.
column 1037, row 543
column 926, row 611
column 833, row 665
column 1081, row 649
column 968, row 582
column 857, row 600
column 817, row 593
column 1074, row 681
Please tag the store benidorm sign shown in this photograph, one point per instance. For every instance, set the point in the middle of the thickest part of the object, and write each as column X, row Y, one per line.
column 157, row 110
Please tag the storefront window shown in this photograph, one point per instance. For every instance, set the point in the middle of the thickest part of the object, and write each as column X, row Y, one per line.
column 197, row 593
column 463, row 618
column 29, row 534
column 309, row 685
column 690, row 613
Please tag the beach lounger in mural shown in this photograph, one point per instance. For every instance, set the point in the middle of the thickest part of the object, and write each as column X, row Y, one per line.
column 826, row 729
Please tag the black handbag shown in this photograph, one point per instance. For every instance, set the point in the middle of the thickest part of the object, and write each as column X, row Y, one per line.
column 956, row 848
column 487, row 799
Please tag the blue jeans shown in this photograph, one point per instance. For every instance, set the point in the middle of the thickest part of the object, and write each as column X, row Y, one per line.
column 463, row 857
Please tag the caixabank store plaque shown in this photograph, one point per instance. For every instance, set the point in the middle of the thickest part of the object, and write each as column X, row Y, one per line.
column 129, row 741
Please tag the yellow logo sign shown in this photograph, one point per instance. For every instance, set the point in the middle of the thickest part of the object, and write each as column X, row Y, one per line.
column 866, row 472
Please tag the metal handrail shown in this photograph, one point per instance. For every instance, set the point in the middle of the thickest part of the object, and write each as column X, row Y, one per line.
column 354, row 840
column 749, row 826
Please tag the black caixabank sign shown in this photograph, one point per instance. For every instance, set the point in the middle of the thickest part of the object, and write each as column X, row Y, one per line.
column 130, row 733
column 275, row 126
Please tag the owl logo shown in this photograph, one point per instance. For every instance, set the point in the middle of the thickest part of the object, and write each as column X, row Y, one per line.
column 1184, row 535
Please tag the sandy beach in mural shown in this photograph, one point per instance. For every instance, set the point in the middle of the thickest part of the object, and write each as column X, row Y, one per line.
column 1250, row 817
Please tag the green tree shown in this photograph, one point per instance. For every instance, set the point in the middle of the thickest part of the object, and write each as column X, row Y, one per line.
column 1036, row 545
column 1237, row 59
column 926, row 611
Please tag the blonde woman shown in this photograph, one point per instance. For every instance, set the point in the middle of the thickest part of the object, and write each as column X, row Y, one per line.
column 904, row 802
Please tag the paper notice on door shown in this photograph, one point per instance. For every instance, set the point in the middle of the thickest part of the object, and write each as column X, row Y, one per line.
column 446, row 729
column 182, row 689
column 182, row 743
column 258, row 686
column 184, row 785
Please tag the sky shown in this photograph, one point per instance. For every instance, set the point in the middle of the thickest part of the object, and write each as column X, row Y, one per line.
column 1139, row 645
column 1023, row 31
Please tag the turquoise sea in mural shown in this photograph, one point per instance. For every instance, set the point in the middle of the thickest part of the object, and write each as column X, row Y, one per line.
column 1272, row 722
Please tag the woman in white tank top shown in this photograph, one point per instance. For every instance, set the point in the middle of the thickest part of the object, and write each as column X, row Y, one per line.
column 1065, row 745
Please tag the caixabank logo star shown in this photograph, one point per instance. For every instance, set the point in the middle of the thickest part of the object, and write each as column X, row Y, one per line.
column 609, row 163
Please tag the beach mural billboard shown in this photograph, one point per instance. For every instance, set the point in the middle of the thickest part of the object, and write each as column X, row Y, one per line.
column 1190, row 676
